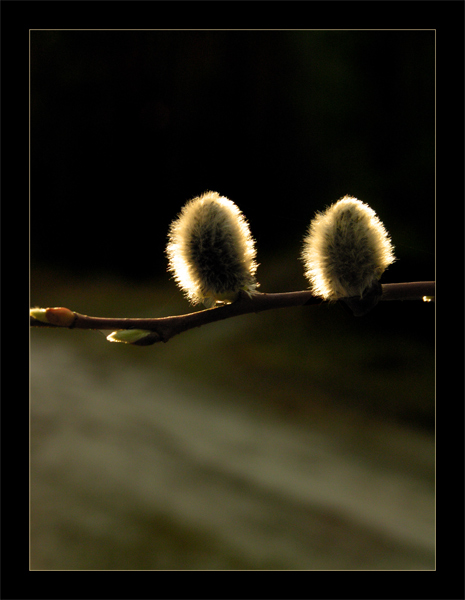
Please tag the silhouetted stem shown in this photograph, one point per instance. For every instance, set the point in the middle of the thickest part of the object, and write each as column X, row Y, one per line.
column 164, row 328
column 415, row 290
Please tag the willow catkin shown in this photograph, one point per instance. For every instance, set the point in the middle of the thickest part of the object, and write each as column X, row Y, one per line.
column 346, row 250
column 211, row 251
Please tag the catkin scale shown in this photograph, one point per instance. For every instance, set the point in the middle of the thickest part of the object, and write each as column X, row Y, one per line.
column 346, row 250
column 211, row 251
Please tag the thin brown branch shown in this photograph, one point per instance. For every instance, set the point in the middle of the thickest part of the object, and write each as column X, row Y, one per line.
column 416, row 290
column 164, row 328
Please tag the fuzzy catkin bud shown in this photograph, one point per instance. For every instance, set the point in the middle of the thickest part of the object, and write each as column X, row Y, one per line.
column 211, row 251
column 346, row 250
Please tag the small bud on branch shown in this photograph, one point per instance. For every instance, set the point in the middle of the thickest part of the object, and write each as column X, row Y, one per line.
column 129, row 336
column 59, row 316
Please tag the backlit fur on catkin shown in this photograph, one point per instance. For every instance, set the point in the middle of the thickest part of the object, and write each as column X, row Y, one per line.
column 346, row 250
column 211, row 251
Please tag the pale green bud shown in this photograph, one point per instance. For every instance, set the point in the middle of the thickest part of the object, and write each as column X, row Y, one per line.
column 128, row 336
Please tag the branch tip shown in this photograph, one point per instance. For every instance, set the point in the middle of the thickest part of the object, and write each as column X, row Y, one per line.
column 58, row 316
column 39, row 314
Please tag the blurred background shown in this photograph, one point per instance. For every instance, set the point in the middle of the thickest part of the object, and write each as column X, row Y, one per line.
column 295, row 439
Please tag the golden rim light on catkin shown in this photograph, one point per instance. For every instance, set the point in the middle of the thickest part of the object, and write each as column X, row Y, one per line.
column 211, row 252
column 346, row 250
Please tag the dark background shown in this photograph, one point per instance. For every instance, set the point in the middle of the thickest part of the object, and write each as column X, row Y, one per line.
column 128, row 125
